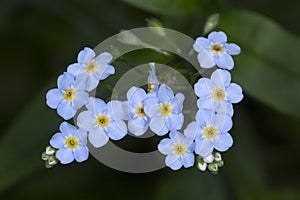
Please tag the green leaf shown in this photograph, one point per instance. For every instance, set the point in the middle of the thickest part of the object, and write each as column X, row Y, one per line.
column 268, row 67
column 167, row 7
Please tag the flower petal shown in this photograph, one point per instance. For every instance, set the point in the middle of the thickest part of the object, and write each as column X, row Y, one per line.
column 191, row 130
column 58, row 141
column 203, row 147
column 91, row 83
column 174, row 121
column 82, row 136
column 65, row 155
column 116, row 130
column 218, row 37
column 202, row 44
column 224, row 61
column 157, row 124
column 67, row 129
column 204, row 87
column 96, row 106
column 223, row 122
column 234, row 93
column 75, row 69
column 165, row 146
column 115, row 110
column 104, row 58
column 206, row 59
column 81, row 98
column 136, row 96
column 98, row 137
column 232, row 49
column 86, row 55
column 65, row 110
column 81, row 153
column 54, row 97
column 176, row 165
column 224, row 142
column 65, row 81
column 86, row 120
column 106, row 71
column 136, row 129
column 171, row 158
column 221, row 78
column 165, row 93
column 188, row 160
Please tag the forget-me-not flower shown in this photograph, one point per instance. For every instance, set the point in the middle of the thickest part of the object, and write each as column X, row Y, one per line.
column 68, row 97
column 218, row 93
column 71, row 144
column 210, row 131
column 92, row 68
column 179, row 150
column 103, row 121
column 138, row 120
column 215, row 50
column 165, row 110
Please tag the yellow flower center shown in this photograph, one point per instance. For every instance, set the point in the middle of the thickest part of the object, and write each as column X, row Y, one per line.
column 140, row 111
column 210, row 132
column 165, row 109
column 69, row 94
column 102, row 120
column 217, row 48
column 219, row 94
column 179, row 149
column 72, row 142
column 91, row 67
column 151, row 86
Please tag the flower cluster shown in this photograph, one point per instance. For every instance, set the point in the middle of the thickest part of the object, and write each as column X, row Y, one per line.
column 158, row 108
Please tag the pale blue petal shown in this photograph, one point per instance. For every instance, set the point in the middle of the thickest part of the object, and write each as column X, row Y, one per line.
column 203, row 147
column 82, row 136
column 65, row 81
column 165, row 93
column 204, row 87
column 115, row 110
column 225, row 108
column 174, row 121
column 104, row 58
column 58, row 141
column 163, row 131
column 157, row 124
column 151, row 106
column 98, row 137
column 191, row 130
column 224, row 142
column 136, row 129
column 171, row 158
column 75, row 69
column 180, row 97
column 218, row 37
column 86, row 120
column 206, row 59
column 81, row 153
column 86, row 55
column 201, row 44
column 223, row 123
column 175, row 165
column 224, row 61
column 81, row 82
column 172, row 134
column 54, row 97
column 81, row 98
column 105, row 72
column 206, row 103
column 205, row 116
column 96, row 105
column 165, row 146
column 67, row 129
column 221, row 78
column 65, row 155
column 141, row 121
column 176, row 106
column 234, row 93
column 188, row 160
column 92, row 83
column 116, row 130
column 232, row 49
column 137, row 96
column 65, row 110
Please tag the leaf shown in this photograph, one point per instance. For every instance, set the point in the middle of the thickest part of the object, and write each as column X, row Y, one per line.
column 167, row 7
column 267, row 68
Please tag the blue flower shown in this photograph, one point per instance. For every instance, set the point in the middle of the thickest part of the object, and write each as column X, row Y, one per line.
column 209, row 132
column 68, row 97
column 103, row 121
column 215, row 51
column 138, row 120
column 179, row 150
column 165, row 111
column 91, row 68
column 71, row 144
column 218, row 93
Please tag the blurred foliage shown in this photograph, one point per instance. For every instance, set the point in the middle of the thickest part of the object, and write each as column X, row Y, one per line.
column 40, row 38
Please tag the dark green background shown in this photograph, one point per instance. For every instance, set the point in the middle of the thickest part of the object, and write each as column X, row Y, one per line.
column 39, row 39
